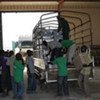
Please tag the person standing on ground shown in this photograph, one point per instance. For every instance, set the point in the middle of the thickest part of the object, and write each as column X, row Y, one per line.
column 62, row 83
column 11, row 64
column 18, row 76
column 5, row 74
column 31, row 72
column 87, row 63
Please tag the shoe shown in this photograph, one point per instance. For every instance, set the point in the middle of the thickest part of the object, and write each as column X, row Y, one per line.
column 0, row 91
column 59, row 95
column 20, row 98
column 66, row 93
column 31, row 92
column 15, row 99
column 7, row 94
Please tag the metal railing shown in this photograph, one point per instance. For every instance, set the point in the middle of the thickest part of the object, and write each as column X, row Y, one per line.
column 79, row 22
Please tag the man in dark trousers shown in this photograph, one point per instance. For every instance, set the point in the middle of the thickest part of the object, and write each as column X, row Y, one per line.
column 62, row 74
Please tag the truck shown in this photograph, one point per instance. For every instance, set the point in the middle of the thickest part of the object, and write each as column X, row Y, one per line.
column 46, row 29
column 25, row 43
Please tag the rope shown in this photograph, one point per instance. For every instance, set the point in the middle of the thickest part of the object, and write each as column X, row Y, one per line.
column 60, row 4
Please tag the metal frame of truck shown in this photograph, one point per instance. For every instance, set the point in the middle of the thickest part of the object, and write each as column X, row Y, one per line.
column 81, row 33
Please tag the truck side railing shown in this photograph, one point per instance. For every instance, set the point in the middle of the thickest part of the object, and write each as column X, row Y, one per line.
column 80, row 33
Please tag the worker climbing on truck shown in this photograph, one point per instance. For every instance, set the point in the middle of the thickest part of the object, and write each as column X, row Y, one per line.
column 64, row 27
column 71, row 49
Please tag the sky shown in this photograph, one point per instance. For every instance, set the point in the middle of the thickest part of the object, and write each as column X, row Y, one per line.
column 18, row 24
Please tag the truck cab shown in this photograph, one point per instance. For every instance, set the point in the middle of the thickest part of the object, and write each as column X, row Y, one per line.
column 25, row 44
